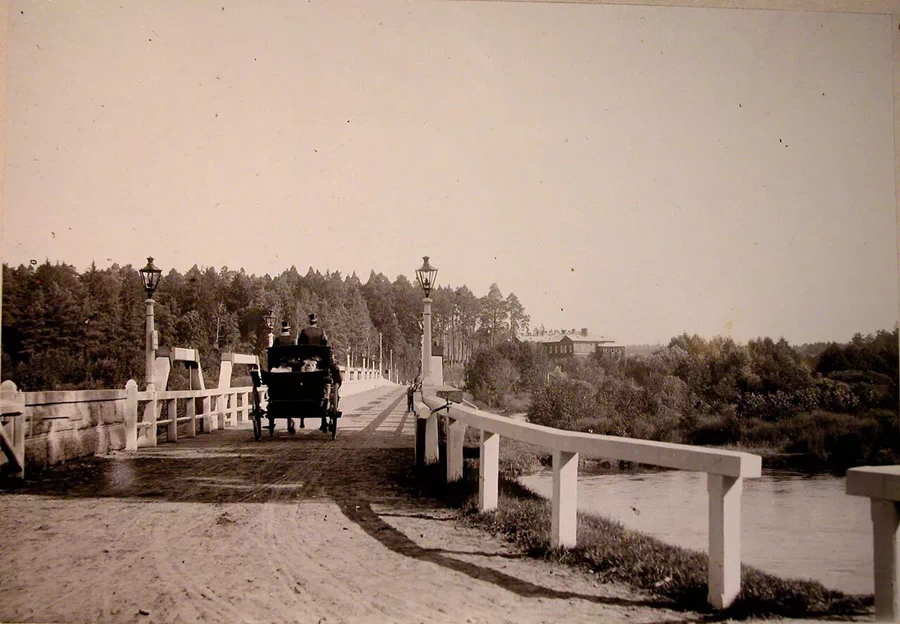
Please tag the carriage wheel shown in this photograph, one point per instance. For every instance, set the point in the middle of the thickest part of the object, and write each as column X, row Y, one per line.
column 257, row 426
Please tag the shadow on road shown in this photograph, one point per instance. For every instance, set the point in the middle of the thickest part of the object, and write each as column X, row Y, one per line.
column 355, row 471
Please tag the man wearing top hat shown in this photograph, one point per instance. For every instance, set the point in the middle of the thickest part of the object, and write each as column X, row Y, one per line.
column 313, row 335
column 285, row 337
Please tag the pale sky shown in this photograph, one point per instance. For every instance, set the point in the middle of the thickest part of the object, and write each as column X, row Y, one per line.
column 640, row 171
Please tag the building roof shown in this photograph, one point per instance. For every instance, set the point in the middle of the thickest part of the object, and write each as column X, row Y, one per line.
column 574, row 337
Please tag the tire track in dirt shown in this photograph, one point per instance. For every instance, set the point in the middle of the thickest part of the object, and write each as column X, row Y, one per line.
column 329, row 582
column 207, row 594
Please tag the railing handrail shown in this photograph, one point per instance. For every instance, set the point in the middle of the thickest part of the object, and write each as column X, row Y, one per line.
column 163, row 395
column 725, row 473
column 663, row 454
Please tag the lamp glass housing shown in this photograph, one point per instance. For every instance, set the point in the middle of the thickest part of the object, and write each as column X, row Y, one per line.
column 150, row 275
column 426, row 276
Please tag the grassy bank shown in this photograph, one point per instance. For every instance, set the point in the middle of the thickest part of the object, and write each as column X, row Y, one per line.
column 613, row 553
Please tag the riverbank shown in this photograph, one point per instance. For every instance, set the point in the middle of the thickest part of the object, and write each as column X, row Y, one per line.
column 615, row 554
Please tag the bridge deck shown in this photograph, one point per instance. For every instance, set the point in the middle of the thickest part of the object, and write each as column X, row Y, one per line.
column 295, row 528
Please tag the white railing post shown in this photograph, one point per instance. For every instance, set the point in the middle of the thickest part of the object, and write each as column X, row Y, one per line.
column 488, row 468
column 882, row 485
column 131, row 414
column 432, row 455
column 221, row 404
column 886, row 534
column 191, row 412
column 565, row 499
column 456, row 435
column 724, row 539
column 207, row 415
column 173, row 420
column 151, row 415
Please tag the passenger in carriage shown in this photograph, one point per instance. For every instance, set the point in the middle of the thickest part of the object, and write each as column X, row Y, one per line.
column 313, row 335
column 285, row 337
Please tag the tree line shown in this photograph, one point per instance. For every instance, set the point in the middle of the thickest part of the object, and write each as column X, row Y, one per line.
column 835, row 404
column 68, row 330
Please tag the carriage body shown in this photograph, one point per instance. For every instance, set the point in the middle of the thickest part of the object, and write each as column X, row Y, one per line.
column 302, row 382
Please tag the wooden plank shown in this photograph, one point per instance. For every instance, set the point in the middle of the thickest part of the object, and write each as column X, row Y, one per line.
column 10, row 450
column 10, row 407
column 881, row 482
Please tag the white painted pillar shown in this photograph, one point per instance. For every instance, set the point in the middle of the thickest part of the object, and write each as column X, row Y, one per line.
column 563, row 528
column 431, row 439
column 456, row 435
column 488, row 468
column 207, row 415
column 886, row 542
column 173, row 418
column 221, row 404
column 724, row 539
column 191, row 413
column 151, row 415
column 131, row 414
column 149, row 347
column 426, row 344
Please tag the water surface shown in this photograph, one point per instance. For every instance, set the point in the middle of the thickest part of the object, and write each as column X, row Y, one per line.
column 792, row 525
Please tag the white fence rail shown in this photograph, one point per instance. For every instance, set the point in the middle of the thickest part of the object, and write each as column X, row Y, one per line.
column 725, row 470
column 218, row 408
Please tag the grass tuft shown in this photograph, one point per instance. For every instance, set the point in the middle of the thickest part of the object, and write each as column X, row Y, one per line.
column 616, row 554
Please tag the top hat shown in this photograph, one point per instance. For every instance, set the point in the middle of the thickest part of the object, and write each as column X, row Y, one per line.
column 313, row 318
column 285, row 326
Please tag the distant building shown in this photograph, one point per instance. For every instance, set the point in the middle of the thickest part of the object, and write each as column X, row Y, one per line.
column 580, row 344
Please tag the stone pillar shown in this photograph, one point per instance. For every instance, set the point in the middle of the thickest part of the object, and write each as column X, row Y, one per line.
column 426, row 344
column 131, row 415
column 149, row 347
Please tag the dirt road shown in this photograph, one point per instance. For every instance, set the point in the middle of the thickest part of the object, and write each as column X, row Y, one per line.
column 289, row 529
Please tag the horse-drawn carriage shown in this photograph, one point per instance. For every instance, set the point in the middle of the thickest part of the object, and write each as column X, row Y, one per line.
column 303, row 382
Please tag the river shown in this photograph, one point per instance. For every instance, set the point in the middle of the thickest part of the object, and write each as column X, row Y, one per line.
column 792, row 525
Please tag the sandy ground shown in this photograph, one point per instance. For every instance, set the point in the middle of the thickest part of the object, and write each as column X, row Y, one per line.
column 289, row 529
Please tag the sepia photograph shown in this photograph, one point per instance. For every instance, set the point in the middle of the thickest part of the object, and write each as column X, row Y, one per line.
column 450, row 311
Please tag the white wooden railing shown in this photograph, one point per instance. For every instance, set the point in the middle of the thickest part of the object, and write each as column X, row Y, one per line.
column 219, row 407
column 725, row 471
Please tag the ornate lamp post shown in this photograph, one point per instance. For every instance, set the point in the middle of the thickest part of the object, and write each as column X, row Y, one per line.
column 420, row 322
column 150, row 275
column 426, row 276
column 270, row 323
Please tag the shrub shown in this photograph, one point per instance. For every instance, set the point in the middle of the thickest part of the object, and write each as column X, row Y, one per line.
column 561, row 402
column 716, row 429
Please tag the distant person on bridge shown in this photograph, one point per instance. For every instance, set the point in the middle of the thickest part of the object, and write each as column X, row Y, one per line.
column 285, row 337
column 313, row 335
column 410, row 395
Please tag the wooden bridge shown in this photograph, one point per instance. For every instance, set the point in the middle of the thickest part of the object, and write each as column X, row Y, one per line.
column 375, row 425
